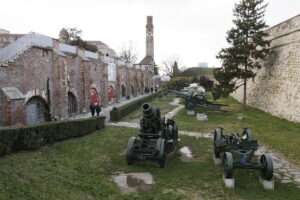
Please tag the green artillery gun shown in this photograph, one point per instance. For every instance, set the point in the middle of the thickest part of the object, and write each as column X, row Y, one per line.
column 237, row 152
column 156, row 137
column 193, row 100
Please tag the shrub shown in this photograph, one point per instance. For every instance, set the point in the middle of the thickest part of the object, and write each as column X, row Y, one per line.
column 118, row 113
column 178, row 83
column 32, row 137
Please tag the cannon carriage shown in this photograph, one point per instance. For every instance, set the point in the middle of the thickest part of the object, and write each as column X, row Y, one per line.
column 157, row 137
column 237, row 151
column 194, row 100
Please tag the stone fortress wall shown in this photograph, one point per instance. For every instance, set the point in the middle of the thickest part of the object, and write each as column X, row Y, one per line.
column 276, row 88
column 40, row 75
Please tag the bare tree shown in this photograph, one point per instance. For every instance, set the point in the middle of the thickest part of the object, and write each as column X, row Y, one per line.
column 74, row 33
column 73, row 37
column 129, row 52
column 170, row 63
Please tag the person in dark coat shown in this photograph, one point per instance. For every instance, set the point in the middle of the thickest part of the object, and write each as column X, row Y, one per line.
column 98, row 108
column 92, row 108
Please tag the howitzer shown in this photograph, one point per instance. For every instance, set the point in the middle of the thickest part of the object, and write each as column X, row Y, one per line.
column 196, row 100
column 156, row 137
column 238, row 150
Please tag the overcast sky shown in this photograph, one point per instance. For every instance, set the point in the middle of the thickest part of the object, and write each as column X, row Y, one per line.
column 193, row 29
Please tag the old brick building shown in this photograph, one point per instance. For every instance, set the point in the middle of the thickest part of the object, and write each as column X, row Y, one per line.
column 42, row 78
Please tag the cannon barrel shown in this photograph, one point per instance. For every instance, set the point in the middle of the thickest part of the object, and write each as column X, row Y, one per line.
column 149, row 112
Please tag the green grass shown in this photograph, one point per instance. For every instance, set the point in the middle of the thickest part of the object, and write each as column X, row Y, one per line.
column 278, row 134
column 163, row 104
column 81, row 168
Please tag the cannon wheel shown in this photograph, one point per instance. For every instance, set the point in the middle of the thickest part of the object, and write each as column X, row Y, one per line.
column 189, row 105
column 175, row 134
column 228, row 165
column 162, row 154
column 266, row 171
column 186, row 104
column 128, row 151
column 217, row 139
column 249, row 134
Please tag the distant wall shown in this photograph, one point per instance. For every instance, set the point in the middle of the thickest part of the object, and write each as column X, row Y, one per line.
column 276, row 88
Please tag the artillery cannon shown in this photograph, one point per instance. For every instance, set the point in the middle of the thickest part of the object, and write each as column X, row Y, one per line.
column 198, row 100
column 237, row 152
column 156, row 137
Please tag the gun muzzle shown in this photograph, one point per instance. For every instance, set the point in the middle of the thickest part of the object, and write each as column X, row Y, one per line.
column 148, row 111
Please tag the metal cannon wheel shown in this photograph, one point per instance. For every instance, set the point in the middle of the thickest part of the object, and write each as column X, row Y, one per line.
column 175, row 134
column 162, row 154
column 189, row 105
column 129, row 158
column 217, row 139
column 228, row 165
column 266, row 171
column 249, row 134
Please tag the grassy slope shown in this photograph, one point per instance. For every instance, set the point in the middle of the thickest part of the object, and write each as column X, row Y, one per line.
column 163, row 104
column 81, row 168
column 206, row 71
column 278, row 134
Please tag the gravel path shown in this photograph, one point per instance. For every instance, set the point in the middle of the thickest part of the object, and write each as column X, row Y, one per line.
column 283, row 169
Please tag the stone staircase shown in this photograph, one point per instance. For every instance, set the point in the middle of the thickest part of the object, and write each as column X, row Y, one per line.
column 15, row 49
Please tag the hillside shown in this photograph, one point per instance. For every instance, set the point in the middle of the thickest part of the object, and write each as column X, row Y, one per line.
column 197, row 71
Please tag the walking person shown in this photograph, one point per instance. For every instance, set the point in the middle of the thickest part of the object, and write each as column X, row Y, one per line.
column 92, row 108
column 98, row 108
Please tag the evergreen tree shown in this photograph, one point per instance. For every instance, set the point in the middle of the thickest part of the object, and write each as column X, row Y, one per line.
column 176, row 71
column 247, row 48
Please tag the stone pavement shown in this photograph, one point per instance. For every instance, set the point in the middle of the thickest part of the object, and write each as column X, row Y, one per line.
column 283, row 169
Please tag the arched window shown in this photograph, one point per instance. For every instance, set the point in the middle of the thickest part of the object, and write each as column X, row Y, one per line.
column 35, row 110
column 123, row 91
column 111, row 94
column 72, row 104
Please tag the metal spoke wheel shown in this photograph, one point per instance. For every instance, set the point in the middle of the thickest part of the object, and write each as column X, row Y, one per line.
column 249, row 134
column 162, row 154
column 217, row 139
column 266, row 171
column 129, row 158
column 190, row 106
column 175, row 134
column 228, row 165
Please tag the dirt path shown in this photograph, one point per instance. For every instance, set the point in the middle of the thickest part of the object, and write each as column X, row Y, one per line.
column 283, row 169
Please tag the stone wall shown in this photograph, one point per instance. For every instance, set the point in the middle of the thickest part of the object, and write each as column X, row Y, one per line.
column 64, row 72
column 276, row 88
